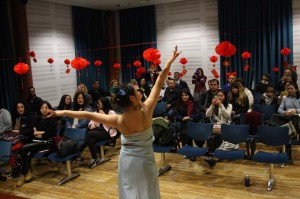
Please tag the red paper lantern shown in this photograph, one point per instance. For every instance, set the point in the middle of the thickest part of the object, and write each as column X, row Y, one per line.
column 67, row 62
column 32, row 54
column 117, row 66
column 79, row 63
column 183, row 61
column 68, row 71
column 21, row 68
column 225, row 49
column 276, row 69
column 98, row 63
column 151, row 54
column 180, row 75
column 213, row 59
column 137, row 63
column 215, row 73
column 246, row 55
column 141, row 70
column 157, row 62
column 169, row 73
column 285, row 51
column 50, row 61
column 226, row 63
column 246, row 67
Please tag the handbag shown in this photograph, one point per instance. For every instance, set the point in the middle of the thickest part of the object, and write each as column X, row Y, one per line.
column 67, row 146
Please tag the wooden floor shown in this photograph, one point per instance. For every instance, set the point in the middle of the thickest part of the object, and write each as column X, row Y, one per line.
column 186, row 179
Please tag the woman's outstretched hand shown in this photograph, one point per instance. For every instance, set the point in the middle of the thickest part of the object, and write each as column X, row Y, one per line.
column 175, row 54
column 53, row 113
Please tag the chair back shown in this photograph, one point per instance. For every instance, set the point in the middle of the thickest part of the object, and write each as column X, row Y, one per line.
column 5, row 151
column 235, row 133
column 267, row 110
column 256, row 96
column 160, row 109
column 199, row 131
column 273, row 136
column 76, row 134
column 254, row 119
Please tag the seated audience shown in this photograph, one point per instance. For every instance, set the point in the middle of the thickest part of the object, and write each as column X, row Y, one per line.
column 269, row 98
column 44, row 128
column 5, row 120
column 264, row 83
column 33, row 101
column 80, row 104
column 98, row 132
column 65, row 104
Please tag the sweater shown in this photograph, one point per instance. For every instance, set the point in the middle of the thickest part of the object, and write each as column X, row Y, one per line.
column 289, row 103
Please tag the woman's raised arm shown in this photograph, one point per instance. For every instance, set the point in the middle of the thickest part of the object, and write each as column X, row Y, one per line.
column 153, row 97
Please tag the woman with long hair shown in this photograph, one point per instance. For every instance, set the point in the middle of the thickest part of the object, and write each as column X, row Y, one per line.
column 80, row 104
column 44, row 128
column 65, row 104
column 199, row 79
column 137, row 168
column 98, row 132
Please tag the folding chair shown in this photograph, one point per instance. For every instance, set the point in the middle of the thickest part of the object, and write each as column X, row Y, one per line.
column 235, row 134
column 272, row 136
column 76, row 134
column 197, row 132
column 5, row 153
column 160, row 109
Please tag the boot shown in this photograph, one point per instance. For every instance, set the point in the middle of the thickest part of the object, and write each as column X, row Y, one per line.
column 28, row 177
column 21, row 181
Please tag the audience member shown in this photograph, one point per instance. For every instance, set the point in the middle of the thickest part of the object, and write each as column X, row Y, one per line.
column 44, row 128
column 180, row 84
column 98, row 132
column 199, row 79
column 171, row 95
column 145, row 87
column 231, row 76
column 247, row 92
column 96, row 92
column 33, row 101
column 5, row 120
column 262, row 86
column 80, row 104
column 207, row 97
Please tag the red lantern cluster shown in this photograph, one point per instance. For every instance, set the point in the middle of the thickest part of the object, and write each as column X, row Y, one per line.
column 21, row 68
column 79, row 63
column 225, row 49
column 140, row 71
column 151, row 54
column 50, row 61
column 67, row 62
column 157, row 62
column 32, row 54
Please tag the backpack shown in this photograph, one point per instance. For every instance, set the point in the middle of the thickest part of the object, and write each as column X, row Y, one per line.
column 164, row 135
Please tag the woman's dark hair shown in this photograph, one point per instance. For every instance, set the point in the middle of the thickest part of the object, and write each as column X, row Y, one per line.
column 200, row 70
column 78, row 106
column 297, row 88
column 143, row 94
column 62, row 105
column 41, row 104
column 106, row 104
column 186, row 91
column 15, row 113
column 123, row 95
column 225, row 102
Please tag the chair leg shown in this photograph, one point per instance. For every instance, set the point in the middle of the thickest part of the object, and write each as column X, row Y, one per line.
column 103, row 158
column 69, row 175
column 253, row 146
column 283, row 151
column 271, row 180
column 164, row 168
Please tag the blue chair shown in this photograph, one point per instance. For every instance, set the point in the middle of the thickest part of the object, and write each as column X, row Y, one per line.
column 5, row 153
column 234, row 134
column 272, row 136
column 267, row 110
column 76, row 134
column 160, row 109
column 162, row 149
column 198, row 132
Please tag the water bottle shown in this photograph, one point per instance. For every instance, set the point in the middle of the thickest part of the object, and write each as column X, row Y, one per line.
column 247, row 181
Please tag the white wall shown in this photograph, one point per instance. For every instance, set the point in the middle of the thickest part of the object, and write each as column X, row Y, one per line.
column 51, row 35
column 296, row 33
column 193, row 26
